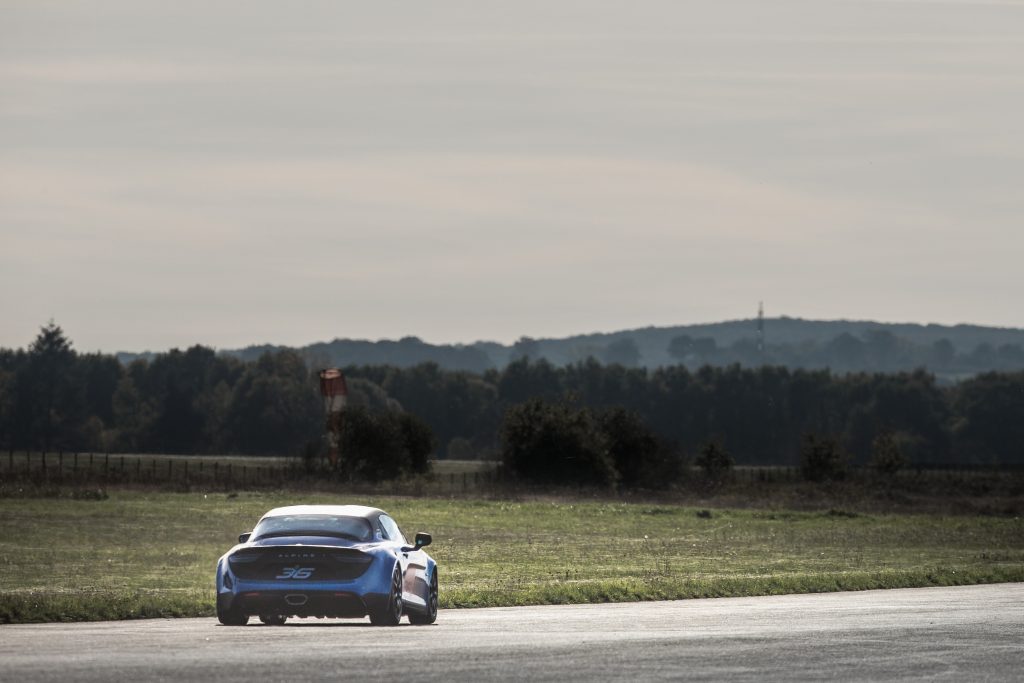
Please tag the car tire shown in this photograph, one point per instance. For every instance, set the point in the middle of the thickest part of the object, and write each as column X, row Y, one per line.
column 430, row 616
column 391, row 613
column 231, row 616
column 273, row 619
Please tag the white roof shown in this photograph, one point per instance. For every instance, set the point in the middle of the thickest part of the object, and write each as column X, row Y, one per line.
column 345, row 510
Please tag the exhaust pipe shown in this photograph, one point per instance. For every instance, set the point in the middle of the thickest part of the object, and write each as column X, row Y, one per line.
column 295, row 599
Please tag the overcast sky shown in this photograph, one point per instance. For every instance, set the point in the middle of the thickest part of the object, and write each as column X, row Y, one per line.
column 235, row 173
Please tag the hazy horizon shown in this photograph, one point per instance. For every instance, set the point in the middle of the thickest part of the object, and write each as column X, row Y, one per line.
column 248, row 173
column 510, row 342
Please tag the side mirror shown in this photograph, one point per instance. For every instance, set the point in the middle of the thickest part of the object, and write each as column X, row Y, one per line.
column 422, row 539
column 242, row 538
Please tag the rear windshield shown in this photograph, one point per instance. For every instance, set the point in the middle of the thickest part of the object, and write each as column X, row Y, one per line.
column 353, row 528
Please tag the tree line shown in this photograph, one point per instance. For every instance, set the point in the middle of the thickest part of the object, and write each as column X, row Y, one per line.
column 875, row 350
column 952, row 353
column 198, row 401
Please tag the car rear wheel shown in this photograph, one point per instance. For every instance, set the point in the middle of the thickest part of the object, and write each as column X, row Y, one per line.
column 273, row 619
column 230, row 616
column 430, row 616
column 391, row 613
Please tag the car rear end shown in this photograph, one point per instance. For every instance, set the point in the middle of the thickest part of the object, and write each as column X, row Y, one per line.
column 302, row 581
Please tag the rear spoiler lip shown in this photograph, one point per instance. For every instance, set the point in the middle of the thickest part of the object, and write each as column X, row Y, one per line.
column 300, row 547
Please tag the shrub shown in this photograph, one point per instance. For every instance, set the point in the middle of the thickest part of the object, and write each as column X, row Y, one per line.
column 715, row 460
column 555, row 443
column 822, row 458
column 417, row 440
column 383, row 446
column 640, row 457
column 887, row 454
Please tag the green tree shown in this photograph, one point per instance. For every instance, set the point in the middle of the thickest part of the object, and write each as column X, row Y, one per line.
column 7, row 412
column 641, row 458
column 624, row 352
column 845, row 352
column 887, row 454
column 383, row 446
column 275, row 406
column 941, row 354
column 716, row 462
column 418, row 442
column 524, row 380
column 822, row 459
column 55, row 403
column 680, row 348
column 133, row 415
column 555, row 443
column 526, row 348
column 989, row 425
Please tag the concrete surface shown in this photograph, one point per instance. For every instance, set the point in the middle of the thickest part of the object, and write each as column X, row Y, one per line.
column 968, row 633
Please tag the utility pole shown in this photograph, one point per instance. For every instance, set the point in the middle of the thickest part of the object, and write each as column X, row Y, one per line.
column 760, row 327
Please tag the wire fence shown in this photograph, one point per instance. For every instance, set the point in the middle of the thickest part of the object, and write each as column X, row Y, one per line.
column 243, row 472
column 220, row 472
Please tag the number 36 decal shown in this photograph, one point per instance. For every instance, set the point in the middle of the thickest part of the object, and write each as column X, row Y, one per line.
column 295, row 573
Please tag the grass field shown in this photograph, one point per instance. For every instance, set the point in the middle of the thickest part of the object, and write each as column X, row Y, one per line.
column 138, row 554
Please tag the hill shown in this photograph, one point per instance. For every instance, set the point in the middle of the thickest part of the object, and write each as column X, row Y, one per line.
column 949, row 351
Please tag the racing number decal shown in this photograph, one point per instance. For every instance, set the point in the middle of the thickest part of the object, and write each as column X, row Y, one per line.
column 295, row 573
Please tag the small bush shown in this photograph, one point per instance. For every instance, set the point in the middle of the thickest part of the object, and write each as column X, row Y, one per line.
column 417, row 441
column 715, row 460
column 641, row 458
column 887, row 454
column 822, row 459
column 555, row 443
column 383, row 446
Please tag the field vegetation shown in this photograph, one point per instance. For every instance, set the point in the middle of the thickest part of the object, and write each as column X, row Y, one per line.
column 124, row 554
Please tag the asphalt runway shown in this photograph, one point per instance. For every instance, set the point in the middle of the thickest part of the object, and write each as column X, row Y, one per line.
column 968, row 633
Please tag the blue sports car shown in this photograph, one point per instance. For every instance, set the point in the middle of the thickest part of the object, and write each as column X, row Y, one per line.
column 341, row 561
